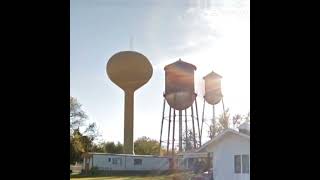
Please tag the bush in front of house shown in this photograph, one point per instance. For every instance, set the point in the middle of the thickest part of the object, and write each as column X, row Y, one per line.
column 94, row 171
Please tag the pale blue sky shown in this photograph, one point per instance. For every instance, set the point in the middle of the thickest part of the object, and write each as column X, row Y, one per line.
column 211, row 34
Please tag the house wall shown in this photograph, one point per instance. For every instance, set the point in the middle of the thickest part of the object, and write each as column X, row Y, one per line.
column 126, row 163
column 223, row 156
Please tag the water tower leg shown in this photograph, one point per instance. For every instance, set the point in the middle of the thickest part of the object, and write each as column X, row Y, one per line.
column 213, row 115
column 224, row 112
column 186, row 130
column 180, row 130
column 164, row 103
column 194, row 131
column 204, row 102
column 128, row 123
column 173, row 129
column 199, row 132
column 168, row 142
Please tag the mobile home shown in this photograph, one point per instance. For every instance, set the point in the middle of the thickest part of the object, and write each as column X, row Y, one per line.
column 126, row 162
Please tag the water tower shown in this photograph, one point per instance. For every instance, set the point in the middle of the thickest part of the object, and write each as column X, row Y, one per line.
column 213, row 94
column 180, row 96
column 129, row 70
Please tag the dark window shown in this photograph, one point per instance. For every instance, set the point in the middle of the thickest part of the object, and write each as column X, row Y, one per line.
column 237, row 164
column 245, row 164
column 117, row 161
column 114, row 160
column 137, row 161
column 109, row 159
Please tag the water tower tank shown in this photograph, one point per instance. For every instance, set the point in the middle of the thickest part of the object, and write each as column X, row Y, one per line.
column 179, row 84
column 213, row 93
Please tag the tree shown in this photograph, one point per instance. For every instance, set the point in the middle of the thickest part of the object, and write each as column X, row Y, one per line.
column 97, row 148
column 75, row 155
column 223, row 122
column 213, row 130
column 77, row 115
column 247, row 117
column 239, row 119
column 189, row 140
column 77, row 147
column 236, row 120
column 223, row 119
column 92, row 131
column 80, row 142
column 111, row 147
column 78, row 118
column 119, row 148
column 146, row 146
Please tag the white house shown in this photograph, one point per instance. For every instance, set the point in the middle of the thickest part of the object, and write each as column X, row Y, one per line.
column 125, row 162
column 230, row 151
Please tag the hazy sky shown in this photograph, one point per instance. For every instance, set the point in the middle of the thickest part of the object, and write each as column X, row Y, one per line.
column 211, row 34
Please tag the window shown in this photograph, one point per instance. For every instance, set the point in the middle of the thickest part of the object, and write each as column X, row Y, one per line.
column 137, row 161
column 241, row 164
column 116, row 161
column 245, row 164
column 237, row 164
column 109, row 159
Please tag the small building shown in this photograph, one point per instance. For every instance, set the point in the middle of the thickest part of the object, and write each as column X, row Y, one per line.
column 230, row 151
column 125, row 162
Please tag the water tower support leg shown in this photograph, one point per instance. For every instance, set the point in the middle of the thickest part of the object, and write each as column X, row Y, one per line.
column 186, row 130
column 194, row 131
column 173, row 130
column 128, row 123
column 213, row 115
column 224, row 112
column 204, row 102
column 164, row 103
column 168, row 142
column 199, row 132
column 180, row 130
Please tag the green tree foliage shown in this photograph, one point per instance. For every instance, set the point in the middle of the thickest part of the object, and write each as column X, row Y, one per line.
column 80, row 142
column 224, row 119
column 77, row 115
column 97, row 148
column 91, row 131
column 238, row 119
column 75, row 155
column 146, row 146
column 214, row 129
column 223, row 122
column 111, row 147
column 119, row 148
column 189, row 140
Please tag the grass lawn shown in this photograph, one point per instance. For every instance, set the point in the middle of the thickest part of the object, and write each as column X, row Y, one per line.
column 177, row 176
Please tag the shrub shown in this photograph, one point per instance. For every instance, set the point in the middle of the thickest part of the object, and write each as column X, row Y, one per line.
column 93, row 170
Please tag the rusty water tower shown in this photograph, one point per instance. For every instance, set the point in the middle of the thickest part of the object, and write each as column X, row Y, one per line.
column 213, row 94
column 129, row 70
column 180, row 96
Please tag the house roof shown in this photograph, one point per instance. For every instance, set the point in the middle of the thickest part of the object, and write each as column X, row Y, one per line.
column 194, row 154
column 135, row 155
column 180, row 63
column 220, row 136
column 244, row 125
